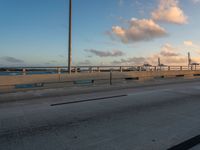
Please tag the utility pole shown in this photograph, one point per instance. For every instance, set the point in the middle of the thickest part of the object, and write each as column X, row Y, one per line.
column 70, row 38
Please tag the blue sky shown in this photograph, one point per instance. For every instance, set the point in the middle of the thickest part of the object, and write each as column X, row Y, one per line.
column 117, row 32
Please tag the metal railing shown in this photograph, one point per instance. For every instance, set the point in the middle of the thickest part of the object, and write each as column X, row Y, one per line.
column 90, row 69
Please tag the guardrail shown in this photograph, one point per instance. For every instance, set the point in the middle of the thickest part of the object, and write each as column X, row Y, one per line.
column 90, row 69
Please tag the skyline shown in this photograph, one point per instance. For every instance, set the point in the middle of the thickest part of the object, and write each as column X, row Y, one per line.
column 124, row 32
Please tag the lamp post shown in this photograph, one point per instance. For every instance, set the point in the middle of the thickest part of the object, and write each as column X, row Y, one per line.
column 70, row 38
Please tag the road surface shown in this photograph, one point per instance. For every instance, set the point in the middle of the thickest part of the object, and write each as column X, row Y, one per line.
column 149, row 118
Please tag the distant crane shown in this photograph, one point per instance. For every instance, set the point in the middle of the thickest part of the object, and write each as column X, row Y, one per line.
column 189, row 59
column 159, row 63
column 190, row 63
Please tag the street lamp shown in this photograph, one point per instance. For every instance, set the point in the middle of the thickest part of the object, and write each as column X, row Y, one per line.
column 70, row 38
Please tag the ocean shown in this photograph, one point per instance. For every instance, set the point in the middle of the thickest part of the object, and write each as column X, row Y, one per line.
column 16, row 73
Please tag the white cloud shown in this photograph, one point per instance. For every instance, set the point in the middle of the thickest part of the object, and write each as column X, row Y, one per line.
column 189, row 43
column 192, row 46
column 169, row 11
column 139, row 30
column 168, row 54
column 130, row 61
column 169, row 47
column 168, row 50
column 114, row 53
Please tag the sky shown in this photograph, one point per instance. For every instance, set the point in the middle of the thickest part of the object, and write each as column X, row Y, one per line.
column 104, row 32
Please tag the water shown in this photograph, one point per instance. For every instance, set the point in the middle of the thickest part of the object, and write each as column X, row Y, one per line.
column 10, row 73
column 17, row 73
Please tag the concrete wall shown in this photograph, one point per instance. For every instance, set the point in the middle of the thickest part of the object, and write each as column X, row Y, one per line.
column 8, row 83
column 143, row 75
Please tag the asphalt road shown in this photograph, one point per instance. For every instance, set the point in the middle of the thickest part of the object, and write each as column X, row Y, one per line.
column 149, row 118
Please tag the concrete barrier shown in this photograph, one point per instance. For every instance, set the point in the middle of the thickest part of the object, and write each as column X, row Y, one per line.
column 10, row 82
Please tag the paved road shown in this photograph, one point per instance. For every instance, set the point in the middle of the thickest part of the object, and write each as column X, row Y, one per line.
column 149, row 118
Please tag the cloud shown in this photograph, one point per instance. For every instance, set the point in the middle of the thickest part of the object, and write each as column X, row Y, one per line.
column 179, row 60
column 153, row 60
column 169, row 11
column 168, row 50
column 11, row 59
column 168, row 47
column 189, row 43
column 114, row 53
column 85, row 62
column 168, row 54
column 130, row 61
column 139, row 30
column 192, row 46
